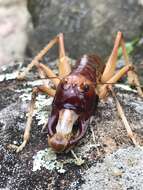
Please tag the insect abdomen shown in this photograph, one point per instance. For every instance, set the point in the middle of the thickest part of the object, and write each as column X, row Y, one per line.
column 89, row 66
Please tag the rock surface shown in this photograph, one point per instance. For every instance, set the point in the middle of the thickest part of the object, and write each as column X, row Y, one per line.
column 15, row 25
column 60, row 171
column 89, row 26
column 120, row 170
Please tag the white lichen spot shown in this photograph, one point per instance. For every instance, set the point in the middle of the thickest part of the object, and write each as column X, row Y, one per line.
column 125, row 87
column 79, row 161
column 41, row 104
column 4, row 67
column 38, row 82
column 2, row 77
column 8, row 76
column 40, row 113
column 47, row 159
column 25, row 97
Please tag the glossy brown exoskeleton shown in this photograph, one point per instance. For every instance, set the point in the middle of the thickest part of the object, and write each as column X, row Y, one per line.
column 74, row 102
column 77, row 92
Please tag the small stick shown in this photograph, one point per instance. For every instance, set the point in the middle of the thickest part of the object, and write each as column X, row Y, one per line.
column 93, row 136
column 78, row 161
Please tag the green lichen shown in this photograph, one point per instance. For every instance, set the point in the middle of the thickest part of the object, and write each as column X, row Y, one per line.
column 42, row 104
column 48, row 159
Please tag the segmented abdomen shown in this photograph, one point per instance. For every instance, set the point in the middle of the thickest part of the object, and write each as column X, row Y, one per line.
column 89, row 66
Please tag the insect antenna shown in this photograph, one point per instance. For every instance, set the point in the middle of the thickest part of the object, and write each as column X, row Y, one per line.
column 24, row 80
column 101, row 83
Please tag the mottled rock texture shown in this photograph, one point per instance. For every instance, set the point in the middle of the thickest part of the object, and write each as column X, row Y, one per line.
column 121, row 170
column 89, row 26
column 110, row 136
column 15, row 25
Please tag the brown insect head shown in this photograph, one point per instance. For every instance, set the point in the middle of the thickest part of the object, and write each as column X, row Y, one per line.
column 74, row 102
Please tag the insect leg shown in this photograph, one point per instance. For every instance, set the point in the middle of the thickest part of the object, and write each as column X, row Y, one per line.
column 35, row 92
column 103, row 89
column 103, row 93
column 109, row 77
column 64, row 66
column 124, row 119
column 48, row 72
column 111, row 63
column 38, row 58
column 132, row 75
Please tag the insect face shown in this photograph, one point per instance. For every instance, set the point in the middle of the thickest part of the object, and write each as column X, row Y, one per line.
column 74, row 101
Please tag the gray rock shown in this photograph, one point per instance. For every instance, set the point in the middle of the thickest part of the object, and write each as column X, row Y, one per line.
column 15, row 25
column 119, row 171
column 109, row 132
column 89, row 26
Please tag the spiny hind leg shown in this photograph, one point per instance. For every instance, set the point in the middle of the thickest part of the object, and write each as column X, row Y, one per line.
column 35, row 91
column 38, row 58
column 112, row 61
column 111, row 66
column 106, row 88
column 110, row 77
column 47, row 72
column 64, row 66
column 124, row 119
column 133, row 78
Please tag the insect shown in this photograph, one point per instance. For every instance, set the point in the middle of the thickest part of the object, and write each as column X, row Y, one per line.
column 77, row 92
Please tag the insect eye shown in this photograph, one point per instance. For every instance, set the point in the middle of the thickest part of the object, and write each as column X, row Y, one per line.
column 65, row 85
column 84, row 88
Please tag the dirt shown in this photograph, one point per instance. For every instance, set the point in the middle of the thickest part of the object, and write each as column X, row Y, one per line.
column 109, row 136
